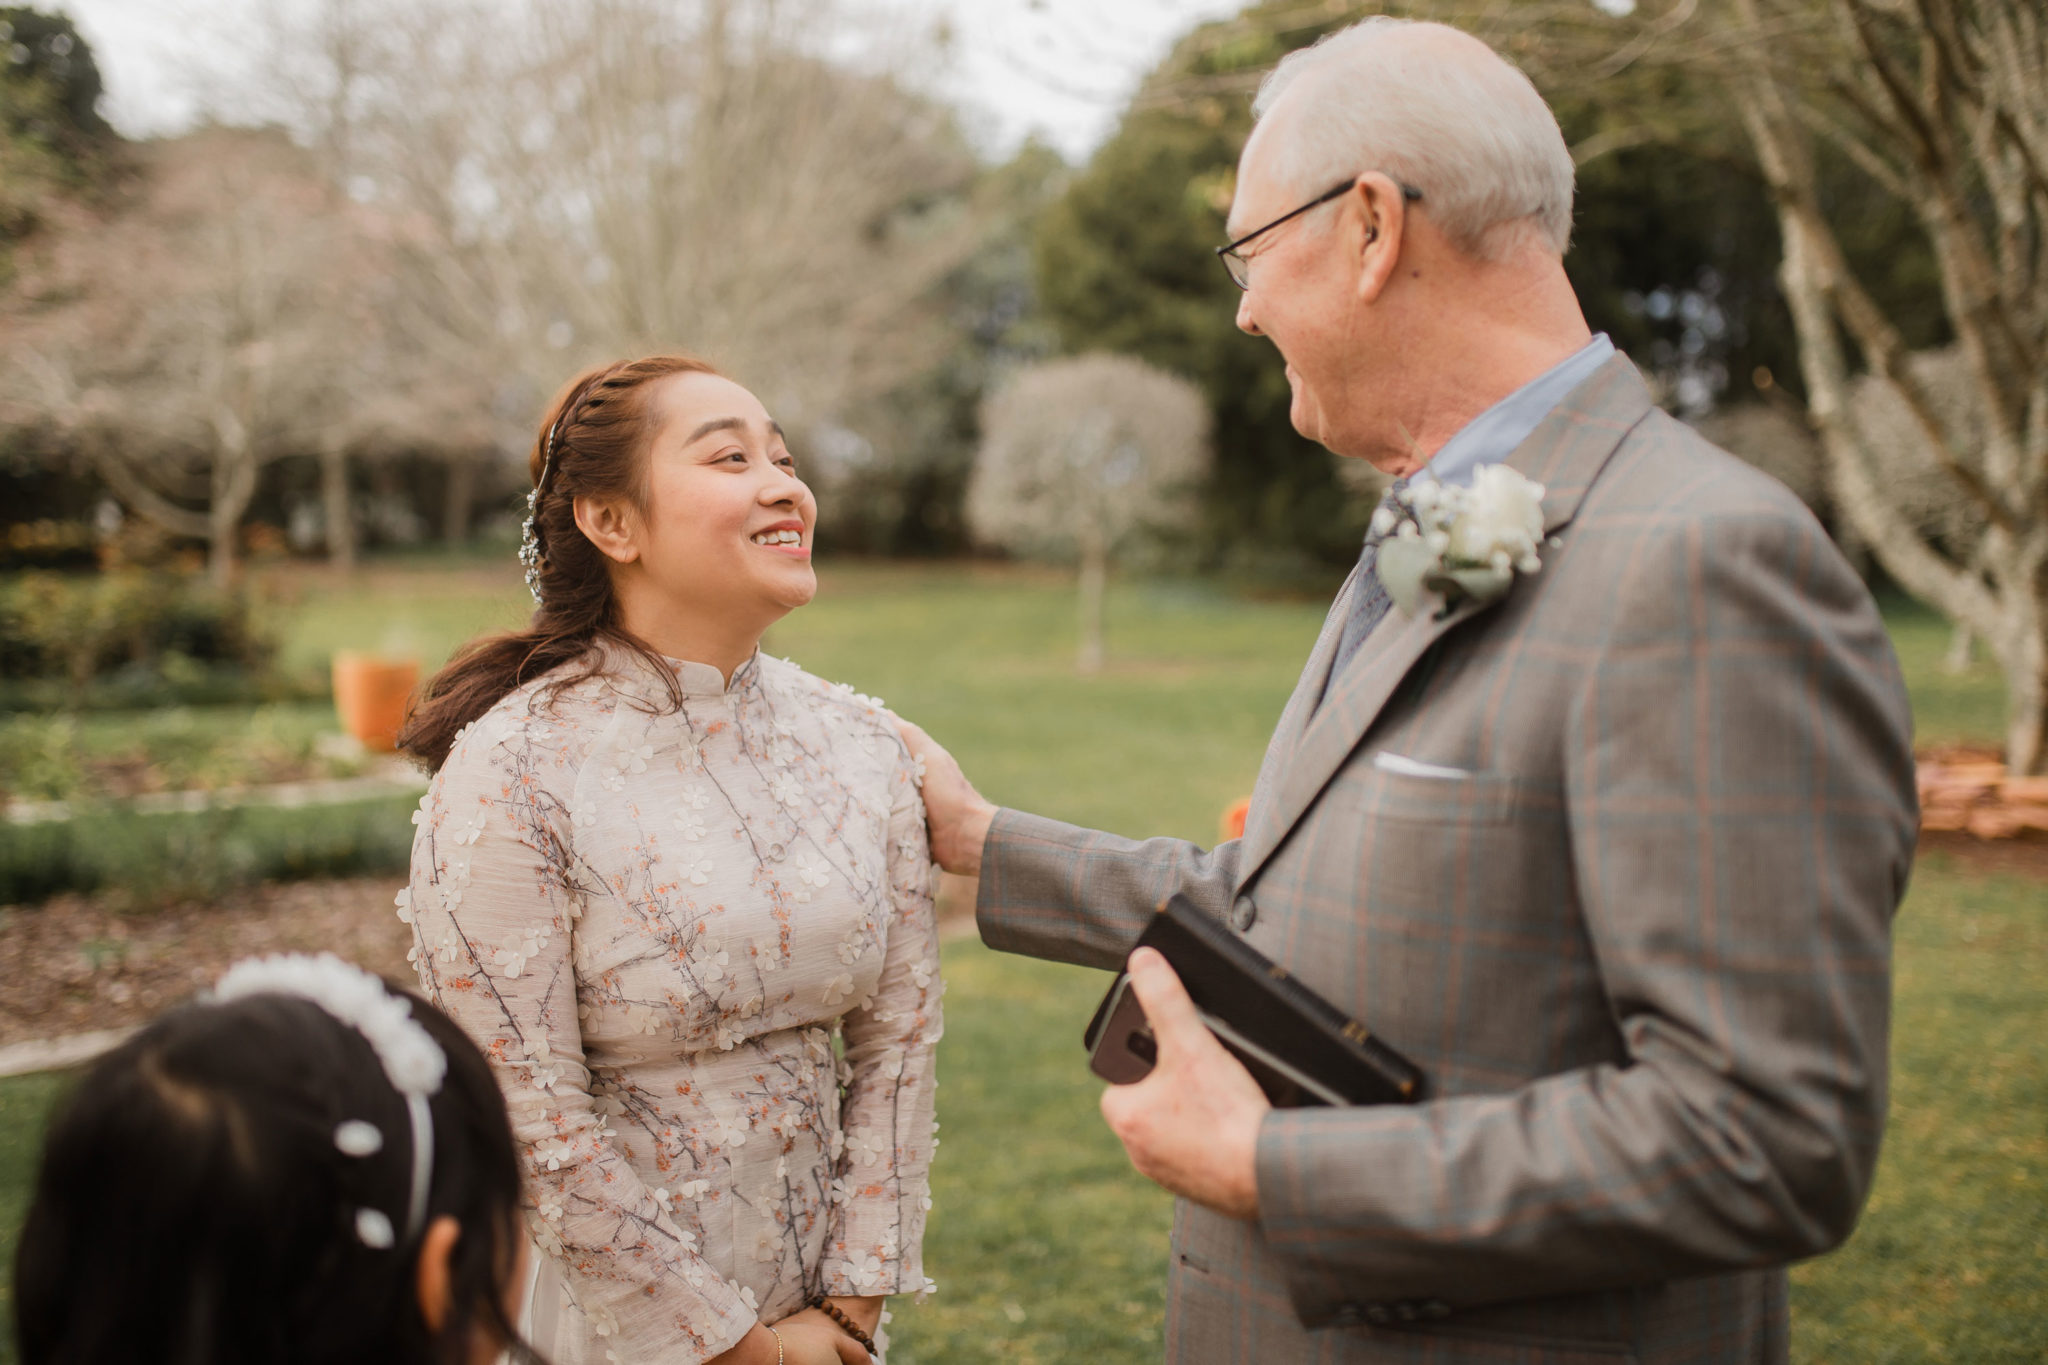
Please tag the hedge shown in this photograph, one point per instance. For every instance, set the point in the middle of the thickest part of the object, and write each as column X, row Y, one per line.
column 161, row 857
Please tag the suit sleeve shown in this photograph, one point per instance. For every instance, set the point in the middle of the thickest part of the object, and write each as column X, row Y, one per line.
column 1739, row 783
column 1058, row 891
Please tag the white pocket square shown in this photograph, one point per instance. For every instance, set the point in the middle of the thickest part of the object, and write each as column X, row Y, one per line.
column 1388, row 761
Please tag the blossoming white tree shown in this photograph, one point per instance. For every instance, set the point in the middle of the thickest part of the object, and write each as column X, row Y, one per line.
column 1080, row 459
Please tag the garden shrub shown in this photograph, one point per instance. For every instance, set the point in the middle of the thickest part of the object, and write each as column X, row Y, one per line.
column 129, row 637
column 162, row 857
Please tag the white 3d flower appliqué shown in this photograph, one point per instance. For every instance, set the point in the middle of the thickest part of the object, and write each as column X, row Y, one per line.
column 1459, row 544
column 811, row 872
column 709, row 961
column 515, row 958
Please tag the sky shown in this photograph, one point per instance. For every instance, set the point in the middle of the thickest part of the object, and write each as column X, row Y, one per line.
column 1059, row 69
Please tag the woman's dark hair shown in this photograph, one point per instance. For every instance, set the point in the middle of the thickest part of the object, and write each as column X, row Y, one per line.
column 601, row 425
column 193, row 1207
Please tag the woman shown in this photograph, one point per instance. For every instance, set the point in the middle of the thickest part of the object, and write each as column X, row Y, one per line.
column 681, row 894
column 303, row 1166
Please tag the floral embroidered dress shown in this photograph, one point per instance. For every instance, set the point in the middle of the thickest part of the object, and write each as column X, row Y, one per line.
column 699, row 949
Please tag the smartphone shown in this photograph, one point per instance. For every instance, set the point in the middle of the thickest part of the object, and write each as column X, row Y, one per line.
column 1122, row 1050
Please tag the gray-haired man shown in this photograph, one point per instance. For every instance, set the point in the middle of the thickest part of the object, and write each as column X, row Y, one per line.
column 1613, row 857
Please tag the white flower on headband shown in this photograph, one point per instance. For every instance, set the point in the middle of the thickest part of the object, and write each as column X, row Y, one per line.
column 412, row 1059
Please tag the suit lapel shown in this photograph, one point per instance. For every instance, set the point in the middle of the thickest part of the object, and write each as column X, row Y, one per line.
column 1302, row 705
column 1294, row 717
column 1565, row 454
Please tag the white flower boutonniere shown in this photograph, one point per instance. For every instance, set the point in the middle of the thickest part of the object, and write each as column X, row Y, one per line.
column 1459, row 543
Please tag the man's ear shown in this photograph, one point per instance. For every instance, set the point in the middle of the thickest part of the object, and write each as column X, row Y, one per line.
column 610, row 526
column 433, row 1279
column 1379, row 228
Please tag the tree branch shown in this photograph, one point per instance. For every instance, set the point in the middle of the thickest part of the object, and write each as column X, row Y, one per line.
column 146, row 501
column 1789, row 171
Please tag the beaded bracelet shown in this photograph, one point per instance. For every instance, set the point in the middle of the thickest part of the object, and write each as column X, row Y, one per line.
column 833, row 1311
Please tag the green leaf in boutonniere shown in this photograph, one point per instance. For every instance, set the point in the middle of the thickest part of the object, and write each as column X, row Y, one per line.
column 1402, row 564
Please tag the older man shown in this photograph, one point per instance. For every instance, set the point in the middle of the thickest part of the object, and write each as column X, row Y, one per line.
column 1612, row 856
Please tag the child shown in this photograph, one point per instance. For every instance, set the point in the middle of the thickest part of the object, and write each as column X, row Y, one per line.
column 303, row 1166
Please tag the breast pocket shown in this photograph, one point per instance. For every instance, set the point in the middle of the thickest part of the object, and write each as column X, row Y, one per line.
column 1424, row 903
column 1396, row 788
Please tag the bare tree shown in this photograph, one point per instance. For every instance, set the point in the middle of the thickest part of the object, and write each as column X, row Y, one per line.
column 746, row 179
column 1082, row 457
column 1944, row 105
column 213, row 322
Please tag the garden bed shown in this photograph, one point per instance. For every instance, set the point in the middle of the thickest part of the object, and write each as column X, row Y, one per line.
column 146, row 859
column 117, row 756
column 81, row 963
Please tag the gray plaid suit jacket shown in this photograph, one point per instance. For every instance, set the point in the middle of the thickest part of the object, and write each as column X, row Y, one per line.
column 1641, row 949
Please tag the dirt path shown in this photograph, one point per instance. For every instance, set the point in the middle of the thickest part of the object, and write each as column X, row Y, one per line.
column 74, row 965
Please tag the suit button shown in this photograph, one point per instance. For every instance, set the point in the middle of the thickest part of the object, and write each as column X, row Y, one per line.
column 1378, row 1314
column 1435, row 1308
column 1243, row 914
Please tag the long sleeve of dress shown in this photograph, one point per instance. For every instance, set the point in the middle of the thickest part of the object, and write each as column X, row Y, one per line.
column 495, row 893
column 874, row 1242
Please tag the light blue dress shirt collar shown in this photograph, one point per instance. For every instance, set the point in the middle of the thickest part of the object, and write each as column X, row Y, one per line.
column 1493, row 435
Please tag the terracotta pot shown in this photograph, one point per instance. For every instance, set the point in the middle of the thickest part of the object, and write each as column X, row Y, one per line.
column 371, row 693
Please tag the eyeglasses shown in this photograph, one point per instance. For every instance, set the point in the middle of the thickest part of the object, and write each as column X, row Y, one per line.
column 1240, row 269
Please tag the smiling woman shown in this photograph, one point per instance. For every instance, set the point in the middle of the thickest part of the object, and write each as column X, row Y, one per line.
column 652, row 480
column 680, row 893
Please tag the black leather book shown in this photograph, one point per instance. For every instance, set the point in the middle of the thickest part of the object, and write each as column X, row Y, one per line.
column 1300, row 1048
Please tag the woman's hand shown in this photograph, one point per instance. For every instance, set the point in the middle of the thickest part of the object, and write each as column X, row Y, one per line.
column 808, row 1338
column 866, row 1313
column 811, row 1338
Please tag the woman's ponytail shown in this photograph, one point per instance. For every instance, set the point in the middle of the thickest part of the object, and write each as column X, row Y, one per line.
column 593, row 444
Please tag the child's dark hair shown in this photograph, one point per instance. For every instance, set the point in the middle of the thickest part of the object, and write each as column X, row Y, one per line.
column 193, row 1207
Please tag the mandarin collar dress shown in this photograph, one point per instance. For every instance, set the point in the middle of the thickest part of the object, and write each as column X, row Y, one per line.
column 694, row 934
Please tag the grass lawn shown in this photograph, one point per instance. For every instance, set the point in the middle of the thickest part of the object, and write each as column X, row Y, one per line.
column 24, row 1102
column 1045, row 1246
column 1158, row 743
column 1948, row 708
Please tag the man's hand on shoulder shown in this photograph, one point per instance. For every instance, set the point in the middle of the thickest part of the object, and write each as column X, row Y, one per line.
column 958, row 816
column 1192, row 1125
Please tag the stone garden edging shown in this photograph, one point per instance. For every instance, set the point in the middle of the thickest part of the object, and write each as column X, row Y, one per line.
column 279, row 795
